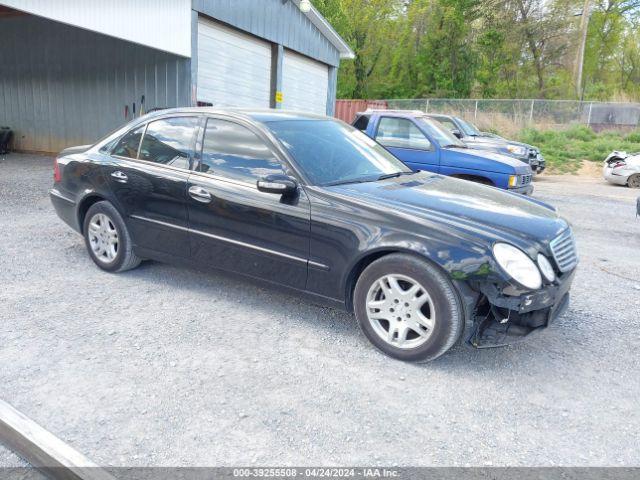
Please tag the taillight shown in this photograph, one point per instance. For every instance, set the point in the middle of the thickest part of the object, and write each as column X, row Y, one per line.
column 57, row 177
column 619, row 164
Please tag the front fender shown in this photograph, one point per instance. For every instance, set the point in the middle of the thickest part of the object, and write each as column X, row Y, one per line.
column 462, row 262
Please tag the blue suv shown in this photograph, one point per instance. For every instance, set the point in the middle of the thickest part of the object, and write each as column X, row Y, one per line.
column 423, row 144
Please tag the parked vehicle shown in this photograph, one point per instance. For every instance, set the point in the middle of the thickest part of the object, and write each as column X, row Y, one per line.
column 317, row 207
column 423, row 144
column 6, row 134
column 622, row 168
column 491, row 142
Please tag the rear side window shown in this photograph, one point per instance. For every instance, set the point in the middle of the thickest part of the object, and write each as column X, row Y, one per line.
column 362, row 122
column 128, row 145
column 170, row 142
column 401, row 133
column 233, row 151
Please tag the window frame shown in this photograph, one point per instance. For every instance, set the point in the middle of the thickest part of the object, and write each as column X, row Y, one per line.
column 271, row 143
column 194, row 141
column 382, row 117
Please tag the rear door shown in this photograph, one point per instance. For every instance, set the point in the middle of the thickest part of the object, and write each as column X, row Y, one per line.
column 234, row 226
column 148, row 174
column 407, row 142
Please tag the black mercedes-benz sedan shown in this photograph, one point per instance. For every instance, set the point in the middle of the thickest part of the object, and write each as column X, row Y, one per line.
column 313, row 205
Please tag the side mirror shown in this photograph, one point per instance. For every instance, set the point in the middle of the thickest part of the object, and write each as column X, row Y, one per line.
column 278, row 184
column 457, row 133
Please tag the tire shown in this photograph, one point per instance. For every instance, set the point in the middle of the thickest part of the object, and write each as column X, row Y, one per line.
column 634, row 181
column 101, row 224
column 441, row 307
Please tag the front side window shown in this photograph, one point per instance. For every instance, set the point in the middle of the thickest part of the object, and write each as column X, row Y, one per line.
column 330, row 152
column 469, row 128
column 401, row 133
column 128, row 145
column 233, row 151
column 439, row 134
column 447, row 123
column 169, row 142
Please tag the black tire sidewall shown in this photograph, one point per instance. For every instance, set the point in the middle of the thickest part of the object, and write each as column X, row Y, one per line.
column 449, row 317
column 110, row 211
column 633, row 178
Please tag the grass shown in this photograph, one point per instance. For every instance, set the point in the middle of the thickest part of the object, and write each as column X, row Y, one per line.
column 565, row 150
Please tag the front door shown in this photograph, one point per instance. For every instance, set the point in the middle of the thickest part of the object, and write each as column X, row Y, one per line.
column 405, row 140
column 235, row 227
column 148, row 172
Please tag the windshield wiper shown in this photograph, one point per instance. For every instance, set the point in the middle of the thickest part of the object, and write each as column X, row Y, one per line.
column 454, row 145
column 346, row 182
column 394, row 175
column 367, row 179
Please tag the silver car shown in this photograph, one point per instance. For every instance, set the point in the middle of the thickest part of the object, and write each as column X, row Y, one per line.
column 622, row 168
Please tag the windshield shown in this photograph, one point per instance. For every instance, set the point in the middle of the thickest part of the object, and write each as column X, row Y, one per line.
column 330, row 152
column 468, row 128
column 443, row 136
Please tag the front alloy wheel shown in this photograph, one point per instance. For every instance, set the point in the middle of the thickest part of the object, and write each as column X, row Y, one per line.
column 408, row 307
column 400, row 311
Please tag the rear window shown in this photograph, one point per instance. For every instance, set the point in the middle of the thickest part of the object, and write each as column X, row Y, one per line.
column 170, row 142
column 362, row 122
column 128, row 145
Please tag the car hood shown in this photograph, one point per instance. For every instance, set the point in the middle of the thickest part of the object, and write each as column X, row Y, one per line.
column 493, row 142
column 499, row 163
column 476, row 209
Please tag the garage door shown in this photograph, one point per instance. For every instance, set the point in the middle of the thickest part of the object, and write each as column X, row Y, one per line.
column 234, row 69
column 304, row 84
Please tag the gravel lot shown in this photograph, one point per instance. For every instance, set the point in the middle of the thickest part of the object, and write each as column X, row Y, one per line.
column 172, row 367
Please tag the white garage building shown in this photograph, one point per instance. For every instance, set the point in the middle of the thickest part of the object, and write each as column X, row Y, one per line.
column 75, row 69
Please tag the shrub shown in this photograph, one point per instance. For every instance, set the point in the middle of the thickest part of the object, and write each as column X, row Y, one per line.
column 564, row 150
column 633, row 137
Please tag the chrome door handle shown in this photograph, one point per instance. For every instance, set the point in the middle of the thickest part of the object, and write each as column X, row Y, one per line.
column 199, row 194
column 120, row 176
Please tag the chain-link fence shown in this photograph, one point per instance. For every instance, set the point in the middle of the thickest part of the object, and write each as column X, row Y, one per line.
column 505, row 115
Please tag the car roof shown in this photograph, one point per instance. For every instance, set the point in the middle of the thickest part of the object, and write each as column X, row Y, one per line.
column 393, row 113
column 259, row 115
column 439, row 115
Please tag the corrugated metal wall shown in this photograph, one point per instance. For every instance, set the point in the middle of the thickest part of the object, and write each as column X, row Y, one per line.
column 161, row 24
column 279, row 23
column 63, row 86
column 346, row 109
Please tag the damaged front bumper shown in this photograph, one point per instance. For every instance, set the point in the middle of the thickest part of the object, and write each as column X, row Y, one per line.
column 500, row 319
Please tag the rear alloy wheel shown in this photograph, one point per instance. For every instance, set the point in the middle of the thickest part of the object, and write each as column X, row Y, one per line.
column 408, row 308
column 634, row 181
column 103, row 238
column 107, row 238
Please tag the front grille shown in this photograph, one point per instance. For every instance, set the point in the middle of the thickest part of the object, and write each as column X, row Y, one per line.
column 564, row 251
column 525, row 180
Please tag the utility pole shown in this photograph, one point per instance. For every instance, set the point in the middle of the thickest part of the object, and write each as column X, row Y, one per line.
column 579, row 65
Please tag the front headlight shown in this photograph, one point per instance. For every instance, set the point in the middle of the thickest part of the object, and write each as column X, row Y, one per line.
column 517, row 150
column 518, row 265
column 546, row 268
